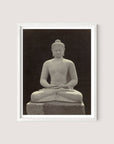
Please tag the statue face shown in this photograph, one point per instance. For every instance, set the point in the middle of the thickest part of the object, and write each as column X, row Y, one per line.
column 58, row 51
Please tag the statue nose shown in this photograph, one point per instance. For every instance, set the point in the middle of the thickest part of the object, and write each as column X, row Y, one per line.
column 58, row 51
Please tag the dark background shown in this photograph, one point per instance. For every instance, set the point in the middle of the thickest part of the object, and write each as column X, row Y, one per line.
column 37, row 49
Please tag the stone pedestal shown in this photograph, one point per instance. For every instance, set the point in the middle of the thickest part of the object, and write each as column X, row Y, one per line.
column 55, row 108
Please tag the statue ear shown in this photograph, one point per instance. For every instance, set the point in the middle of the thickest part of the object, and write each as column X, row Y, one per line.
column 64, row 53
column 53, row 54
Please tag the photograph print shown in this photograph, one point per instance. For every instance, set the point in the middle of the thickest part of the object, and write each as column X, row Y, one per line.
column 57, row 70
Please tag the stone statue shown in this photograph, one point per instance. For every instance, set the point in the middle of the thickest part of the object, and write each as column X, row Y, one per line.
column 63, row 77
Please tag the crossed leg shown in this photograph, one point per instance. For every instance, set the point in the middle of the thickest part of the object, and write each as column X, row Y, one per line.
column 71, row 94
column 68, row 95
column 43, row 95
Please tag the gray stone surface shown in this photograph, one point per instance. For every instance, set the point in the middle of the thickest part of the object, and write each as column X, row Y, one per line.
column 55, row 107
column 35, row 108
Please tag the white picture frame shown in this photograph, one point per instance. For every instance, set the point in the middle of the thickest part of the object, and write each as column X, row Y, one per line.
column 20, row 115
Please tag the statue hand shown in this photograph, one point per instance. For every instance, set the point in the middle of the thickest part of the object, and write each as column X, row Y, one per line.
column 58, row 86
column 53, row 86
column 62, row 86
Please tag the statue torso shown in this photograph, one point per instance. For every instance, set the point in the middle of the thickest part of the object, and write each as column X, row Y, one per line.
column 58, row 71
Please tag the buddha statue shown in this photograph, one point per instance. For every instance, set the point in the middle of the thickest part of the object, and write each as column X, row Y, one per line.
column 63, row 78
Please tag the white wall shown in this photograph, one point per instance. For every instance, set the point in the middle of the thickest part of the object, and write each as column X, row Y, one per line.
column 22, row 11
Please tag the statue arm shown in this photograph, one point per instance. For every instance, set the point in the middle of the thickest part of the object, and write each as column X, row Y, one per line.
column 44, row 76
column 73, row 75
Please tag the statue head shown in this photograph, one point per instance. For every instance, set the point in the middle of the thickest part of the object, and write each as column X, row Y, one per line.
column 58, row 48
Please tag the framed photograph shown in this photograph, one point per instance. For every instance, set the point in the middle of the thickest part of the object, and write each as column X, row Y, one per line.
column 57, row 72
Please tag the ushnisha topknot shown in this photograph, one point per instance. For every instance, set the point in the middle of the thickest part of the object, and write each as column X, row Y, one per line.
column 57, row 42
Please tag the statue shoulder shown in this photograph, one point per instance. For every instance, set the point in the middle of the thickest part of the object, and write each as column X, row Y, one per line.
column 47, row 62
column 68, row 61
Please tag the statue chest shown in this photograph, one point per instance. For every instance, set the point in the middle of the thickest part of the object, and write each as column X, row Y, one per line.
column 58, row 68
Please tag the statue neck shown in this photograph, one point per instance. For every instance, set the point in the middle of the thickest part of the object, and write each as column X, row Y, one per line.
column 58, row 59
